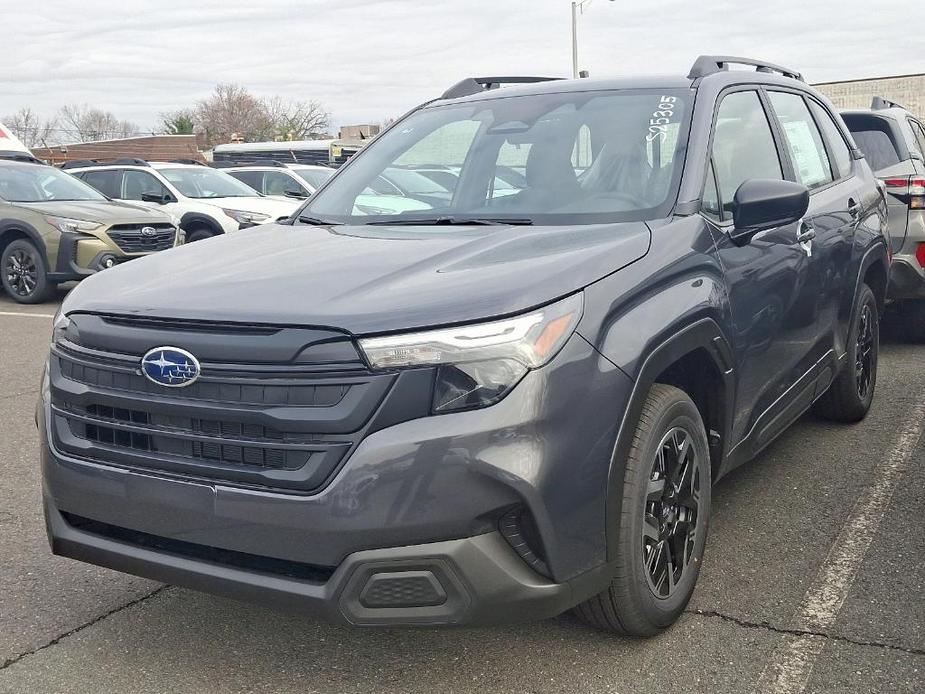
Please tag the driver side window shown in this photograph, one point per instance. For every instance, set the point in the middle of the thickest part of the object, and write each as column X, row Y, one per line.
column 137, row 183
column 743, row 147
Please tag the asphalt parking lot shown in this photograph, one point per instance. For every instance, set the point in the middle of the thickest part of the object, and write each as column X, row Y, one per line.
column 813, row 581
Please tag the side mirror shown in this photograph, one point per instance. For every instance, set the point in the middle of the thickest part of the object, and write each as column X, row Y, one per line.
column 154, row 197
column 761, row 204
column 295, row 194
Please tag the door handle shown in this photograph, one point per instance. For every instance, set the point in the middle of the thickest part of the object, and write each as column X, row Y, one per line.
column 806, row 233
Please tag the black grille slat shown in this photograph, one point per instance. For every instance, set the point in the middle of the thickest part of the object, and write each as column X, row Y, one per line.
column 130, row 239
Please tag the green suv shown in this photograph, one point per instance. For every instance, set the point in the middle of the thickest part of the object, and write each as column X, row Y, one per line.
column 55, row 228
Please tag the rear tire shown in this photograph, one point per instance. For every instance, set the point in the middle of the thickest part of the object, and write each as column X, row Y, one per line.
column 913, row 317
column 849, row 397
column 23, row 274
column 663, row 523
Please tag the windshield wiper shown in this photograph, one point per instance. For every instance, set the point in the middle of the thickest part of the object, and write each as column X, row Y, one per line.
column 454, row 221
column 317, row 221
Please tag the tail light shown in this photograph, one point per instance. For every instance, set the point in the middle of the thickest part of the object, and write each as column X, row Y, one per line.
column 909, row 189
column 920, row 254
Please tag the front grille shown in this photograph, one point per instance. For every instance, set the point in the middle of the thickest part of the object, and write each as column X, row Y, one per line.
column 130, row 239
column 191, row 550
column 278, row 426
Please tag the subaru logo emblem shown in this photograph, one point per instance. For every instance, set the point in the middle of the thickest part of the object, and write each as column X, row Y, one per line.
column 170, row 366
column 148, row 231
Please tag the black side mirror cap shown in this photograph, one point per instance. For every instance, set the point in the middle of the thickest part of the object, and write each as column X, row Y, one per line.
column 295, row 194
column 154, row 197
column 761, row 204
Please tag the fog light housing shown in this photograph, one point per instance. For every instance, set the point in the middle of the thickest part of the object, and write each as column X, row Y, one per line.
column 107, row 261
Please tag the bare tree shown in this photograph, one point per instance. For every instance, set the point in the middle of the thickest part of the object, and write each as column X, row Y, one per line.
column 294, row 120
column 230, row 110
column 32, row 129
column 91, row 124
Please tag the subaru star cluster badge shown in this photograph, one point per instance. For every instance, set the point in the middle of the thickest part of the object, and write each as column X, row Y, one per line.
column 170, row 366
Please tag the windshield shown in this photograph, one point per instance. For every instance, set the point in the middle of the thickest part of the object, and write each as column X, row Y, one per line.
column 35, row 183
column 567, row 158
column 314, row 177
column 202, row 182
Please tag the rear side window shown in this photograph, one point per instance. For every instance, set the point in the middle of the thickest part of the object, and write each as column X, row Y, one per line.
column 743, row 146
column 836, row 141
column 919, row 135
column 109, row 183
column 875, row 138
column 807, row 151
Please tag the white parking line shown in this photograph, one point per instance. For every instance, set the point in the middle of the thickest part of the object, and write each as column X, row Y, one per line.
column 792, row 662
column 27, row 315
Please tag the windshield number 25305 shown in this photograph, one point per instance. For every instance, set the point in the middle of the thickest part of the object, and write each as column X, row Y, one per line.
column 658, row 124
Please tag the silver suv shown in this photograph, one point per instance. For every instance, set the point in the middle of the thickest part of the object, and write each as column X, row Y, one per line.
column 893, row 140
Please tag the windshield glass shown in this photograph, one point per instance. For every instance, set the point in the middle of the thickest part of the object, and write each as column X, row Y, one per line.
column 314, row 177
column 203, row 182
column 36, row 183
column 566, row 158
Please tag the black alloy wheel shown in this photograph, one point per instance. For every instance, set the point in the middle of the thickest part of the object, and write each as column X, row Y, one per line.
column 21, row 270
column 864, row 353
column 671, row 512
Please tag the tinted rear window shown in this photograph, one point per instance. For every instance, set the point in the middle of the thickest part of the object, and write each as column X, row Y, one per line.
column 875, row 138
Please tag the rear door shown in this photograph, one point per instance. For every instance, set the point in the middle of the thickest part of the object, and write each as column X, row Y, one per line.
column 837, row 203
column 767, row 278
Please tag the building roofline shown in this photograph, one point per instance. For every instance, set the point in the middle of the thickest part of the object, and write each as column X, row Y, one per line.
column 870, row 79
column 118, row 139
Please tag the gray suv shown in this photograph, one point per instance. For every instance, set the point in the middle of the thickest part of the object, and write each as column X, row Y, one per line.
column 893, row 141
column 492, row 406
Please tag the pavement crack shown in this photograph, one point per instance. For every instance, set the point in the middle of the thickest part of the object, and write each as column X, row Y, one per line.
column 12, row 661
column 804, row 632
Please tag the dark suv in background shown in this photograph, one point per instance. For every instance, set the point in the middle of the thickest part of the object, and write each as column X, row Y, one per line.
column 893, row 141
column 496, row 406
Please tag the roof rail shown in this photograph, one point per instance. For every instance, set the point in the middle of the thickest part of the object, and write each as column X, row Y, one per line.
column 270, row 163
column 195, row 162
column 78, row 163
column 878, row 103
column 474, row 85
column 16, row 155
column 130, row 161
column 709, row 64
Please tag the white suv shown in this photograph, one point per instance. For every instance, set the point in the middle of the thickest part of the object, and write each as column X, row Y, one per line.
column 205, row 202
column 289, row 180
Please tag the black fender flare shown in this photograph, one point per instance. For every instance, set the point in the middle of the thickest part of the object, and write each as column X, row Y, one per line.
column 194, row 219
column 703, row 334
column 876, row 254
column 14, row 225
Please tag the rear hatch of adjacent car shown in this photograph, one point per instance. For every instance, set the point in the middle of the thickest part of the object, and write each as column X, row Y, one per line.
column 880, row 139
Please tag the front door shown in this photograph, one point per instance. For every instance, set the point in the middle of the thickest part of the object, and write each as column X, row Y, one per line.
column 768, row 278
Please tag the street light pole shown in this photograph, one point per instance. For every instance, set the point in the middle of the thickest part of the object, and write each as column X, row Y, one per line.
column 577, row 8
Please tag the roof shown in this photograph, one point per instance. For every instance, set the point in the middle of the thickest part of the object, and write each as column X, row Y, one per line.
column 270, row 146
column 150, row 147
column 870, row 79
column 559, row 86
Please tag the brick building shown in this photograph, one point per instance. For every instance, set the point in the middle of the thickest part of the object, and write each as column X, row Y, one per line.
column 151, row 147
column 906, row 90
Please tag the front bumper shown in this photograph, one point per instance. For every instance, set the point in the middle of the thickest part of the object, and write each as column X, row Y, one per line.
column 424, row 496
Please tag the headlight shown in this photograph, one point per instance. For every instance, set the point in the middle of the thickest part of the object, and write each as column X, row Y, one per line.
column 246, row 218
column 72, row 226
column 479, row 364
column 62, row 328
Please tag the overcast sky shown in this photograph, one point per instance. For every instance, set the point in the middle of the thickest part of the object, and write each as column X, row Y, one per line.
column 368, row 60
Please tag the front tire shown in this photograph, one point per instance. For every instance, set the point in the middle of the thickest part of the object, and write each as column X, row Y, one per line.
column 664, row 520
column 22, row 273
column 198, row 234
column 852, row 392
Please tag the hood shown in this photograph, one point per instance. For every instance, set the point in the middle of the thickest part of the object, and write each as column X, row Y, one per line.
column 363, row 279
column 103, row 211
column 273, row 207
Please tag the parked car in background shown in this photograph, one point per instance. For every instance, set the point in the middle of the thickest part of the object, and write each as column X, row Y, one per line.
column 497, row 407
column 893, row 140
column 54, row 228
column 205, row 202
column 10, row 144
column 278, row 179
